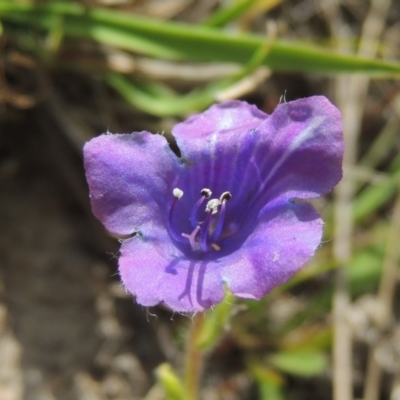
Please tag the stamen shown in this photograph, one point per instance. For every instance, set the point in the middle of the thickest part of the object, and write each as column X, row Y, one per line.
column 225, row 197
column 205, row 194
column 204, row 230
column 211, row 209
column 178, row 193
column 208, row 235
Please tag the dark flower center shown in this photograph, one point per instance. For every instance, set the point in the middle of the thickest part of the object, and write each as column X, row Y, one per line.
column 205, row 234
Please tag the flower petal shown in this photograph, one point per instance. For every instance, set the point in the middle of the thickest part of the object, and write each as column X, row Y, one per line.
column 300, row 150
column 129, row 176
column 154, row 271
column 218, row 119
column 296, row 152
column 285, row 238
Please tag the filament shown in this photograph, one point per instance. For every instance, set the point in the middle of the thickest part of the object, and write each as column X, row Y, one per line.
column 205, row 193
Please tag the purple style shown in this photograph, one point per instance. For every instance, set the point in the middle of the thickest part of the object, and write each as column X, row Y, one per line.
column 230, row 212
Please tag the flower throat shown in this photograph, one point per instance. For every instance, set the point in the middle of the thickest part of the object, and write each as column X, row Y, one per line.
column 205, row 234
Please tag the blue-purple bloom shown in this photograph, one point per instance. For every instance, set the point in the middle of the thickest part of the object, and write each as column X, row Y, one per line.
column 230, row 212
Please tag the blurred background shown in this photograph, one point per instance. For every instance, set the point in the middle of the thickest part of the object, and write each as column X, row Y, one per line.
column 72, row 70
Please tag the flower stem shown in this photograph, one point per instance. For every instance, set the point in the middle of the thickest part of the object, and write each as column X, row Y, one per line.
column 194, row 359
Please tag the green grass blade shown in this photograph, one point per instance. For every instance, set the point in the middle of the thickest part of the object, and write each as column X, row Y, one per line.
column 375, row 196
column 158, row 99
column 305, row 363
column 215, row 323
column 170, row 382
column 179, row 41
column 228, row 14
column 270, row 383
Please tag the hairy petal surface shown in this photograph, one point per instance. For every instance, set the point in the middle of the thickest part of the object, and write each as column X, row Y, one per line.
column 129, row 177
column 154, row 270
column 284, row 239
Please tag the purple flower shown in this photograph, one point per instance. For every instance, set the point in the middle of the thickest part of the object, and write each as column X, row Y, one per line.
column 229, row 211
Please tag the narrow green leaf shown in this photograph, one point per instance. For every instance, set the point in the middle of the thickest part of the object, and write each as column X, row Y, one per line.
column 158, row 99
column 187, row 42
column 374, row 197
column 269, row 382
column 302, row 363
column 228, row 14
column 364, row 271
column 383, row 144
column 215, row 323
column 170, row 382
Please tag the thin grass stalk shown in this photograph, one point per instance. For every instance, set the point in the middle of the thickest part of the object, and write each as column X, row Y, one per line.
column 194, row 359
column 385, row 301
column 352, row 94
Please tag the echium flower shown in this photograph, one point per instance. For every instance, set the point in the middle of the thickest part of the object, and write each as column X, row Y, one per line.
column 229, row 212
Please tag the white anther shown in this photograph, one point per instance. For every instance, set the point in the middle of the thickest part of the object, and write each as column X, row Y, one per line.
column 213, row 205
column 206, row 193
column 225, row 196
column 178, row 193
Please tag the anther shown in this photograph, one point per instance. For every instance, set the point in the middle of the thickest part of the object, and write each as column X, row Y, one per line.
column 211, row 209
column 213, row 205
column 226, row 196
column 205, row 194
column 210, row 230
column 216, row 247
column 178, row 193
